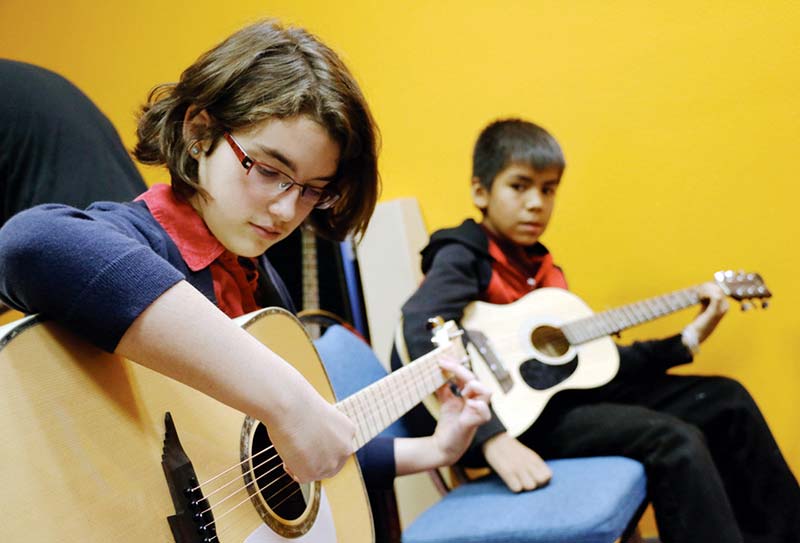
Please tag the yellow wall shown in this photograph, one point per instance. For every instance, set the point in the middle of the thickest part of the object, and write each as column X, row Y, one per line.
column 680, row 121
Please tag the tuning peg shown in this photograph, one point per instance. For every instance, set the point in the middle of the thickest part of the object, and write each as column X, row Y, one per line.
column 746, row 306
column 764, row 304
column 434, row 323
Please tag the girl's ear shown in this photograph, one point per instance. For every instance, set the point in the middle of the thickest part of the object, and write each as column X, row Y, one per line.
column 480, row 194
column 195, row 126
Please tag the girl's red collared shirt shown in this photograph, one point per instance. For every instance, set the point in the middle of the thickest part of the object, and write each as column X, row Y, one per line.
column 234, row 283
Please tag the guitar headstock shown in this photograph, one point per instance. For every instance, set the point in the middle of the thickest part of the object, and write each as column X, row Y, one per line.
column 448, row 335
column 743, row 287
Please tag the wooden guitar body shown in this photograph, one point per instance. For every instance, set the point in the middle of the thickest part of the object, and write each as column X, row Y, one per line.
column 550, row 340
column 83, row 436
column 538, row 362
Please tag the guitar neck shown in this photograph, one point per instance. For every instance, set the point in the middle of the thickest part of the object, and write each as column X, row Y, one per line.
column 618, row 319
column 377, row 406
column 310, row 271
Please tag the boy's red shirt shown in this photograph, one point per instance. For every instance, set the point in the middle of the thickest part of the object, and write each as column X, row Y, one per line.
column 516, row 272
column 234, row 278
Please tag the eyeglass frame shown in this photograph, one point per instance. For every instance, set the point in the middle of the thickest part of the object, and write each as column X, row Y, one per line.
column 326, row 200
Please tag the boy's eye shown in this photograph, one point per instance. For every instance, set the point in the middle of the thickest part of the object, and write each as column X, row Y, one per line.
column 549, row 190
column 519, row 187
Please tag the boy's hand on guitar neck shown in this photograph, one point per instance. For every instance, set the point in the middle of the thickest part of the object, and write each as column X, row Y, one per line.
column 715, row 305
column 519, row 467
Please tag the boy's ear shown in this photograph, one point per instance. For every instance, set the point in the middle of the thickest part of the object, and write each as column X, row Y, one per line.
column 480, row 194
column 195, row 124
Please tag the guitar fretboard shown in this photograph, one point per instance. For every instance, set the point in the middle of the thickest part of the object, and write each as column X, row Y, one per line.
column 377, row 406
column 618, row 319
column 309, row 261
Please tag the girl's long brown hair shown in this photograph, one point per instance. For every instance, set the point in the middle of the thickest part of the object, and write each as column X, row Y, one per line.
column 267, row 71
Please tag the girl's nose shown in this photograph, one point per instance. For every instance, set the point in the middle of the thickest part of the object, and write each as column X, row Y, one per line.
column 284, row 205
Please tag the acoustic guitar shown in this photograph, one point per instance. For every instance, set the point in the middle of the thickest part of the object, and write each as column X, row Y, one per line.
column 550, row 340
column 98, row 449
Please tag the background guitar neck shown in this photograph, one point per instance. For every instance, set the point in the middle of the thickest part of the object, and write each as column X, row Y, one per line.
column 377, row 406
column 618, row 319
column 310, row 271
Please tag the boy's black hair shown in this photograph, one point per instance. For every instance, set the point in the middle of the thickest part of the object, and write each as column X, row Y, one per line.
column 507, row 141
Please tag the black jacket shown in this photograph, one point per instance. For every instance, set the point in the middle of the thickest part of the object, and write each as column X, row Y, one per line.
column 458, row 268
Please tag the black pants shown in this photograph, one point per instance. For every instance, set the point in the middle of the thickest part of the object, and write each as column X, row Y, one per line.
column 715, row 473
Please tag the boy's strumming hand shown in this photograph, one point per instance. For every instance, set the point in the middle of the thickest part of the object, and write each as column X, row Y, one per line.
column 519, row 467
column 715, row 305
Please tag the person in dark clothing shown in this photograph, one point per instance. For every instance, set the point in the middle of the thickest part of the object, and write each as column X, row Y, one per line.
column 262, row 132
column 56, row 146
column 715, row 472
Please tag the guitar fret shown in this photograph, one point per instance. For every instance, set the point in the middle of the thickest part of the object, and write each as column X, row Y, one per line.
column 576, row 334
column 601, row 324
column 386, row 408
column 657, row 307
column 379, row 413
column 630, row 318
column 378, row 405
column 637, row 318
column 619, row 321
column 610, row 325
column 370, row 415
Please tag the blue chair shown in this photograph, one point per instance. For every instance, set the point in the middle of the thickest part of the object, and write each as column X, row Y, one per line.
column 589, row 500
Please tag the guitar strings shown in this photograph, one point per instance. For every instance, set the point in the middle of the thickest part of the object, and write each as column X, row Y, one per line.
column 248, row 459
column 614, row 320
column 370, row 420
column 273, row 457
column 214, row 478
column 414, row 382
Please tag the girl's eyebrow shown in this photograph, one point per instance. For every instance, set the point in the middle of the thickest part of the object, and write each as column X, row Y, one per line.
column 277, row 155
column 289, row 163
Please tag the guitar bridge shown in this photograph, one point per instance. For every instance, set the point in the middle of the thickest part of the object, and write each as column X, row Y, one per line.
column 193, row 521
column 481, row 343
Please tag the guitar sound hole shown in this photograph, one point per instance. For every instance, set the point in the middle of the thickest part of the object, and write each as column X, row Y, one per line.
column 550, row 341
column 285, row 497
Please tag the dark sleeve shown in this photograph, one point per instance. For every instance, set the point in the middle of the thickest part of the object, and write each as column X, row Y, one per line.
column 456, row 278
column 58, row 146
column 644, row 358
column 376, row 460
column 95, row 270
column 452, row 282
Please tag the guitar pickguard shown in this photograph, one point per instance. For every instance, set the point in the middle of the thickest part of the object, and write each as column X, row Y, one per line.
column 541, row 376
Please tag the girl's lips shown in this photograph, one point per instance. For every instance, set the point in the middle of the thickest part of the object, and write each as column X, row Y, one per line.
column 266, row 233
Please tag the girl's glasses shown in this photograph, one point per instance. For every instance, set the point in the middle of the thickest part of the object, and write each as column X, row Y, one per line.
column 277, row 182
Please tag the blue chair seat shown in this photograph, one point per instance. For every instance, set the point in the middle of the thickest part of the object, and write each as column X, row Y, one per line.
column 589, row 500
